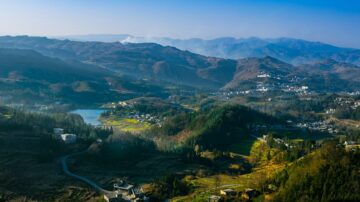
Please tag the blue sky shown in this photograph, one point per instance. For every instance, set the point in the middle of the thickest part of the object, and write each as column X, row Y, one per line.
column 332, row 21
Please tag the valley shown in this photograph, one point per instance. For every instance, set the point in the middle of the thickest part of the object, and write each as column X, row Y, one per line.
column 85, row 118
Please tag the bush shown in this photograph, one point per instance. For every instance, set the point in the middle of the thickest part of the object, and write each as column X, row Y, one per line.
column 168, row 187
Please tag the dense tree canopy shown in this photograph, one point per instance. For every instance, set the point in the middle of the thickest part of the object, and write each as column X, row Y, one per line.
column 330, row 174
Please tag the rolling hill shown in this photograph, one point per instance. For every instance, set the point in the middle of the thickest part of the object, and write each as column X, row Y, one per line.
column 168, row 64
column 28, row 75
column 148, row 60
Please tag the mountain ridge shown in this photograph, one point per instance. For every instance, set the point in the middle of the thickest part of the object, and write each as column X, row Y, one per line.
column 291, row 50
column 169, row 64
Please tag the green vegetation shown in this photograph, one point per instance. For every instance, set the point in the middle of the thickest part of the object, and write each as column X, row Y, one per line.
column 29, row 170
column 254, row 123
column 138, row 115
column 329, row 174
column 168, row 187
column 123, row 146
column 214, row 128
column 14, row 119
column 348, row 113
column 126, row 124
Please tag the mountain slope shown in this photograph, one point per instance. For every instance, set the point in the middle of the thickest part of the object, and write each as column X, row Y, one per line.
column 294, row 51
column 272, row 74
column 168, row 64
column 30, row 76
column 32, row 65
column 328, row 174
column 332, row 75
column 251, row 71
column 214, row 128
column 141, row 60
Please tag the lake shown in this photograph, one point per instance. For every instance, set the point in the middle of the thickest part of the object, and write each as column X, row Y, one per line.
column 90, row 116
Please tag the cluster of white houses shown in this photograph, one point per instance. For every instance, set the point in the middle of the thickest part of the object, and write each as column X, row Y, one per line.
column 126, row 192
column 65, row 137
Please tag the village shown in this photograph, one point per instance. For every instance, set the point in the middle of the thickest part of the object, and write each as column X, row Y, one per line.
column 125, row 192
column 285, row 85
column 127, row 110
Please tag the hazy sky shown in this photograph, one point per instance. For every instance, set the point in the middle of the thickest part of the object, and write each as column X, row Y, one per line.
column 331, row 21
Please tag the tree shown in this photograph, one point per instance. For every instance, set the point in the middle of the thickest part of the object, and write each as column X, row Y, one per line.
column 217, row 181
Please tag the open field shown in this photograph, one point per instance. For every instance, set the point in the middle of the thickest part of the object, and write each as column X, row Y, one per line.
column 126, row 124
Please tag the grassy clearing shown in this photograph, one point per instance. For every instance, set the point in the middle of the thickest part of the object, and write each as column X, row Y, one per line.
column 126, row 124
column 298, row 140
column 190, row 107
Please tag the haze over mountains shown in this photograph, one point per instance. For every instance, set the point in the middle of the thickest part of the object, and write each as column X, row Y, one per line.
column 168, row 64
column 294, row 51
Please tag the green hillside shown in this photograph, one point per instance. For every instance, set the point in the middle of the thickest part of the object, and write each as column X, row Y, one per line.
column 328, row 174
column 214, row 128
column 28, row 76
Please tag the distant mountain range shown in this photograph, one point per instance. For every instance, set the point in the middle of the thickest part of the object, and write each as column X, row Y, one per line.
column 159, row 63
column 294, row 51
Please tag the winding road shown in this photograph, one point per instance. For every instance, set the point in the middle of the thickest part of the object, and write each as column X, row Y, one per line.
column 66, row 170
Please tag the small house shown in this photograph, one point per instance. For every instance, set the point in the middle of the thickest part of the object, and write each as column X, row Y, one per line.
column 113, row 197
column 352, row 147
column 227, row 192
column 69, row 138
column 346, row 143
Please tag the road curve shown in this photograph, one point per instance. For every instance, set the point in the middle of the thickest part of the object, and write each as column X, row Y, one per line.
column 66, row 170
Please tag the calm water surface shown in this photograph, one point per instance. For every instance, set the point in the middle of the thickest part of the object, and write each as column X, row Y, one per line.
column 90, row 116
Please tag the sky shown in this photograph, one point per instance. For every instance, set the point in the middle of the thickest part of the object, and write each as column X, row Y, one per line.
column 331, row 21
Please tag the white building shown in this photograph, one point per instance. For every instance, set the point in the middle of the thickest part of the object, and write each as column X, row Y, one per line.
column 69, row 138
column 263, row 75
column 330, row 111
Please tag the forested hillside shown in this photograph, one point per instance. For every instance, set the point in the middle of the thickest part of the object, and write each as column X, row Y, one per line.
column 214, row 128
column 328, row 174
